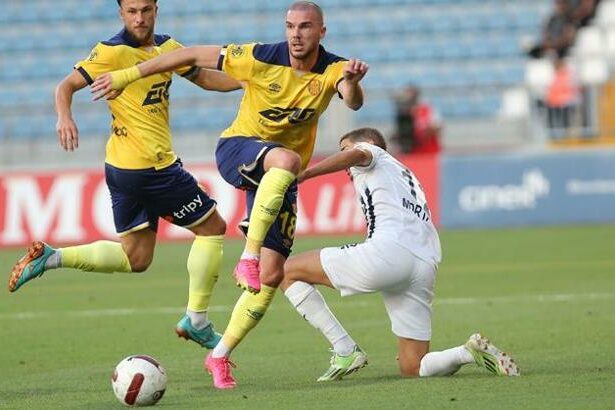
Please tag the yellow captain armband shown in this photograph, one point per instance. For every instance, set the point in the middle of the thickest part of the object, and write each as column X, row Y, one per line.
column 120, row 79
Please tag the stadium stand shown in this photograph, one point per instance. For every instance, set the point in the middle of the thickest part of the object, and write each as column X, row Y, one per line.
column 463, row 53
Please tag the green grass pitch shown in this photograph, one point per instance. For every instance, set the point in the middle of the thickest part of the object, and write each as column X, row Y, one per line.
column 545, row 295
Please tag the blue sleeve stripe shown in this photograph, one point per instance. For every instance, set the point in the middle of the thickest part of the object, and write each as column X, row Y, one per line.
column 193, row 70
column 85, row 75
column 221, row 58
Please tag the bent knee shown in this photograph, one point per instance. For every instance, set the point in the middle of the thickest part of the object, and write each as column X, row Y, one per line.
column 272, row 278
column 409, row 371
column 410, row 364
column 285, row 159
column 139, row 265
column 214, row 225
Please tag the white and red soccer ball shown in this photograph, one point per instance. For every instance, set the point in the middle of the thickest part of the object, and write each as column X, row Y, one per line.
column 139, row 380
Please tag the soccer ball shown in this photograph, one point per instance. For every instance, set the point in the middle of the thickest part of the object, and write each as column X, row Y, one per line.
column 139, row 380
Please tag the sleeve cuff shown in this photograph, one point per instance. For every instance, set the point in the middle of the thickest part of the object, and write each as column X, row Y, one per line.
column 85, row 75
column 191, row 73
column 221, row 58
column 337, row 84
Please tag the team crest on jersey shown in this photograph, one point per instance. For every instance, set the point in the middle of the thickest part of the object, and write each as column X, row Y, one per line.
column 237, row 51
column 275, row 88
column 314, row 87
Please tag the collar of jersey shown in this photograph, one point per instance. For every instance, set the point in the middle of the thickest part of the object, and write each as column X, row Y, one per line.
column 124, row 38
column 279, row 54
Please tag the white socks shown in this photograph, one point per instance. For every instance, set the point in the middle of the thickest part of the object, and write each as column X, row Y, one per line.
column 221, row 350
column 445, row 363
column 247, row 255
column 312, row 306
column 198, row 320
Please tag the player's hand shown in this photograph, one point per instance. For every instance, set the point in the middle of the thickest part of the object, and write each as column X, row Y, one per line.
column 355, row 70
column 301, row 177
column 112, row 95
column 102, row 87
column 68, row 134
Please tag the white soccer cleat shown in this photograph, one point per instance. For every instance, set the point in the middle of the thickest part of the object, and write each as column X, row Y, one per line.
column 490, row 357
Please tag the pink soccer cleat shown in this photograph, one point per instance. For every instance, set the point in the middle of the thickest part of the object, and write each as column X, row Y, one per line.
column 247, row 274
column 220, row 370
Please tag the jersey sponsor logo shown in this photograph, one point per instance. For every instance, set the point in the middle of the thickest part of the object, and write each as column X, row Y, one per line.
column 119, row 131
column 314, row 87
column 157, row 93
column 422, row 212
column 294, row 115
column 275, row 88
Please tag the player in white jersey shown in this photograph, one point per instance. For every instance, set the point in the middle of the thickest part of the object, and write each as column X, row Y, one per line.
column 399, row 258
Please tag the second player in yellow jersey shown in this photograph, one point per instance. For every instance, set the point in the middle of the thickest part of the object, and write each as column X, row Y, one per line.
column 145, row 179
column 139, row 136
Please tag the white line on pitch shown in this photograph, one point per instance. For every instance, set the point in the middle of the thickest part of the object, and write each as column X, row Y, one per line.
column 570, row 297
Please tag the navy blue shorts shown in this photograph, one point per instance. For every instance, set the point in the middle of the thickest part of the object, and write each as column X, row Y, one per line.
column 240, row 162
column 139, row 197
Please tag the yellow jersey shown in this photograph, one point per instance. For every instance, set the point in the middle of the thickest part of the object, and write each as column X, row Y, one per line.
column 279, row 103
column 140, row 135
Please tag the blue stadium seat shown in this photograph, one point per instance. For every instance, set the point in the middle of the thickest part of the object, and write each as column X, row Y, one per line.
column 452, row 48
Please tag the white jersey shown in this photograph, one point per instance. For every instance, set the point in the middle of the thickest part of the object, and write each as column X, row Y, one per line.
column 395, row 205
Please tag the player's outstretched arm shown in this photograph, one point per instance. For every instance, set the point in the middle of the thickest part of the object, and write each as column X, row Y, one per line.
column 349, row 87
column 200, row 56
column 214, row 80
column 337, row 162
column 66, row 128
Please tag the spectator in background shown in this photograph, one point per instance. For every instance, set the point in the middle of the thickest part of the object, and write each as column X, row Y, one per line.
column 418, row 124
column 582, row 11
column 562, row 98
column 558, row 33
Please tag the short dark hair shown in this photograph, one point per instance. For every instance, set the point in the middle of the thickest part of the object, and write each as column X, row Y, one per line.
column 364, row 135
column 119, row 2
column 308, row 5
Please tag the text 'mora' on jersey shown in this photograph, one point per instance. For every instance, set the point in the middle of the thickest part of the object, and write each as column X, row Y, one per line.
column 140, row 135
column 279, row 103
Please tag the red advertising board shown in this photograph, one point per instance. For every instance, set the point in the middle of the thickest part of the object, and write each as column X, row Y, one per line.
column 63, row 207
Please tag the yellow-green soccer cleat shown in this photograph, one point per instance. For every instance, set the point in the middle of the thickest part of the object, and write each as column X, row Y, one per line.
column 490, row 357
column 344, row 365
column 31, row 265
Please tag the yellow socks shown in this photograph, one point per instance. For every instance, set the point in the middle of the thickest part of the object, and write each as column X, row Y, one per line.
column 100, row 256
column 203, row 266
column 248, row 310
column 267, row 203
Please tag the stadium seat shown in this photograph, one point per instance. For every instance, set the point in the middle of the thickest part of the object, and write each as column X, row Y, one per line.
column 444, row 46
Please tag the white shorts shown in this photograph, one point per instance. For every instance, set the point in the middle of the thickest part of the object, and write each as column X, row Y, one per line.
column 406, row 282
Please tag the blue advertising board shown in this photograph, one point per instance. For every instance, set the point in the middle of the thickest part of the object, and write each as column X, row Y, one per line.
column 528, row 189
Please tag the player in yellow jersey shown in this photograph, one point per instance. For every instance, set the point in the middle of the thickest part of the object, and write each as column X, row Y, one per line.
column 143, row 173
column 288, row 86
